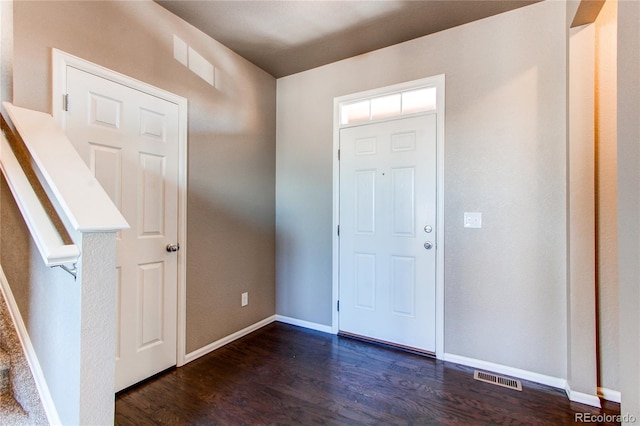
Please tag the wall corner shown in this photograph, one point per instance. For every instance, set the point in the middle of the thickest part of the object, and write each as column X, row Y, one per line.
column 97, row 342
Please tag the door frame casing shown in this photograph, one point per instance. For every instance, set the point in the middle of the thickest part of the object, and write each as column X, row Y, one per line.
column 60, row 61
column 438, row 82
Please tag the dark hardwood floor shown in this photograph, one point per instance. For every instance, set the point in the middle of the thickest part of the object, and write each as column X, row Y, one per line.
column 286, row 375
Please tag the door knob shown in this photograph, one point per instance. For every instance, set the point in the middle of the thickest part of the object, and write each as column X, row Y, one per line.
column 173, row 247
column 428, row 245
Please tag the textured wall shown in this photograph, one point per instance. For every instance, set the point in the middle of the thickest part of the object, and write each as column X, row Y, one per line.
column 629, row 203
column 97, row 268
column 231, row 137
column 50, row 305
column 505, row 156
column 606, row 194
column 6, row 50
column 581, row 206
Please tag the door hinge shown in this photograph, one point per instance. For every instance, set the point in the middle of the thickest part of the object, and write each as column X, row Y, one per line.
column 338, row 230
column 338, row 155
column 338, row 305
column 65, row 102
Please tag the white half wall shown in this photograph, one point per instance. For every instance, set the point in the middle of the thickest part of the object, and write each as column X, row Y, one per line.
column 65, row 318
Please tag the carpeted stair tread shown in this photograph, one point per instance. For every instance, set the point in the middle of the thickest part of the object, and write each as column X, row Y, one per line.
column 11, row 413
column 5, row 379
column 21, row 405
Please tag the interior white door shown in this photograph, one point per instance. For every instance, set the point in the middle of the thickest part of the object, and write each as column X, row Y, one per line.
column 387, row 231
column 129, row 139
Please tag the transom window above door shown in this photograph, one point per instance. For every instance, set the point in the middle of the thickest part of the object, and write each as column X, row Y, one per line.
column 388, row 106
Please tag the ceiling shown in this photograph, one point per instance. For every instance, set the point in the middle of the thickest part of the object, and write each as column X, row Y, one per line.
column 285, row 37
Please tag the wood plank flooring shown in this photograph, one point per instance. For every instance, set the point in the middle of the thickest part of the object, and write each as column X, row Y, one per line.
column 286, row 375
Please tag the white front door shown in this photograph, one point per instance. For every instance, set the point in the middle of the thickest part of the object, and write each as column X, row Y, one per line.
column 129, row 139
column 387, row 269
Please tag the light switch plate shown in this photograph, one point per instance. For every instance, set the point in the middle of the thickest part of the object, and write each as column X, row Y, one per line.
column 472, row 220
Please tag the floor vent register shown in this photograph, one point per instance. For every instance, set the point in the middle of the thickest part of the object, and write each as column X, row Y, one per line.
column 497, row 380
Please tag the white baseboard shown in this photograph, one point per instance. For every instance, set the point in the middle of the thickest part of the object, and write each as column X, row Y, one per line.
column 191, row 356
column 610, row 395
column 555, row 382
column 582, row 398
column 305, row 324
column 30, row 353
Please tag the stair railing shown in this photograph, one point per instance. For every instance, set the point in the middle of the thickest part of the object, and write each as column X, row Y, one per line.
column 81, row 198
column 52, row 248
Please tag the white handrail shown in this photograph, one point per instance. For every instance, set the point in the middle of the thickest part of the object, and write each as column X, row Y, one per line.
column 53, row 250
column 74, row 189
column 78, row 193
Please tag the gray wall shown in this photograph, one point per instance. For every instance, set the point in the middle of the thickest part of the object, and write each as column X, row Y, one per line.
column 505, row 156
column 606, row 192
column 231, row 136
column 45, row 296
column 6, row 50
column 629, row 203
column 581, row 251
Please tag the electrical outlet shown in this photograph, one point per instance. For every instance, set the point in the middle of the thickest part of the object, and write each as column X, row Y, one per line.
column 244, row 299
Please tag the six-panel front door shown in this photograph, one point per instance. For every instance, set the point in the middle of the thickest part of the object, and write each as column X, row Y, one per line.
column 387, row 231
column 129, row 139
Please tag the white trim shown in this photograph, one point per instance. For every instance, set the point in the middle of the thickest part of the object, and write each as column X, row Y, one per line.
column 610, row 395
column 306, row 324
column 62, row 59
column 30, row 354
column 60, row 62
column 192, row 356
column 582, row 398
column 437, row 81
column 440, row 108
column 335, row 241
column 555, row 382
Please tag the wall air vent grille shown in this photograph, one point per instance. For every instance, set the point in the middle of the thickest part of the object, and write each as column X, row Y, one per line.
column 497, row 380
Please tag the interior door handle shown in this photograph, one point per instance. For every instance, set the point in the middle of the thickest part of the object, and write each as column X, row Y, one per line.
column 173, row 247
